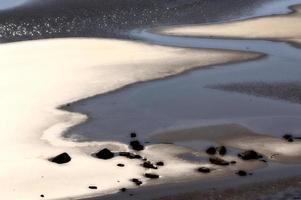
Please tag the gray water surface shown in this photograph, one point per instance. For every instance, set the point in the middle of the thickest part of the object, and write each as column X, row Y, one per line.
column 186, row 100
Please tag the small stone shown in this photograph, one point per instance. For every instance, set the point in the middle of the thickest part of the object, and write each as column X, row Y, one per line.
column 123, row 189
column 129, row 155
column 151, row 176
column 241, row 173
column 149, row 165
column 222, row 150
column 104, row 154
column 136, row 181
column 61, row 159
column 120, row 165
column 136, row 145
column 233, row 162
column 93, row 187
column 218, row 161
column 42, row 195
column 160, row 163
column 204, row 170
column 211, row 151
column 287, row 136
column 250, row 155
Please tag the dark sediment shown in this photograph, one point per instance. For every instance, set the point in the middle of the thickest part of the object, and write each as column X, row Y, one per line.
column 289, row 91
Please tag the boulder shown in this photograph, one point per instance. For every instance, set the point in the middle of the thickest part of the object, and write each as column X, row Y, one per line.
column 104, row 154
column 241, row 173
column 222, row 150
column 250, row 155
column 92, row 187
column 211, row 151
column 136, row 181
column 149, row 165
column 130, row 155
column 61, row 158
column 151, row 176
column 160, row 163
column 133, row 135
column 136, row 145
column 204, row 170
column 218, row 161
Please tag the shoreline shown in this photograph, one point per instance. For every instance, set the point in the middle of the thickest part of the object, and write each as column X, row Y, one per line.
column 53, row 140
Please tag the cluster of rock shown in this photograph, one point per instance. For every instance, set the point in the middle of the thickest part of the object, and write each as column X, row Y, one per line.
column 216, row 155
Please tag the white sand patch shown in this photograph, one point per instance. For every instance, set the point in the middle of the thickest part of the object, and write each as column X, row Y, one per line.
column 39, row 76
column 281, row 27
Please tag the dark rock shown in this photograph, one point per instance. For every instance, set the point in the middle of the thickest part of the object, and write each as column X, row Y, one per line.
column 222, row 150
column 151, row 176
column 241, row 173
column 250, row 155
column 120, row 165
column 160, row 163
column 204, row 170
column 233, row 162
column 149, row 165
column 130, row 155
column 136, row 145
column 136, row 181
column 287, row 136
column 104, row 154
column 123, row 189
column 133, row 135
column 218, row 161
column 61, row 159
column 42, row 195
column 211, row 151
column 93, row 187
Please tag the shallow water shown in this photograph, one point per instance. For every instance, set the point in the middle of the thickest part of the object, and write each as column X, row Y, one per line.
column 186, row 100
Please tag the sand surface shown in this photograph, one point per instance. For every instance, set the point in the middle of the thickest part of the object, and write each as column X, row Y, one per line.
column 279, row 27
column 37, row 77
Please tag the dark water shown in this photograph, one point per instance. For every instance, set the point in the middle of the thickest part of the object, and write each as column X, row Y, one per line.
column 38, row 19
